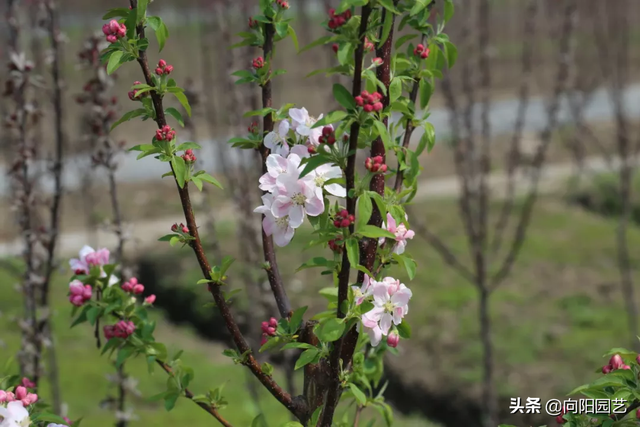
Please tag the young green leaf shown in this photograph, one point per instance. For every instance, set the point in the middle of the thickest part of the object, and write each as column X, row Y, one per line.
column 384, row 134
column 332, row 117
column 427, row 140
column 331, row 330
column 451, row 52
column 425, row 90
column 318, row 42
column 395, row 89
column 404, row 330
column 365, row 208
column 211, row 180
column 114, row 61
column 313, row 163
column 294, row 37
column 182, row 98
column 306, row 357
column 343, row 96
column 448, row 10
column 296, row 319
column 387, row 25
column 353, row 251
column 179, row 169
column 187, row 146
column 374, row 232
column 161, row 30
column 175, row 114
column 358, row 394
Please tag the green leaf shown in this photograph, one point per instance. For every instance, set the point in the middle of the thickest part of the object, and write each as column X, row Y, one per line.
column 317, row 262
column 621, row 351
column 118, row 12
column 175, row 114
column 365, row 208
column 281, row 29
column 358, row 394
column 182, row 98
column 317, row 42
column 384, row 134
column 419, row 6
column 141, row 10
column 448, row 10
column 180, row 170
column 395, row 89
column 261, row 112
column 49, row 418
column 306, row 357
column 451, row 53
column 402, row 40
column 123, row 354
column 293, row 424
column 294, row 37
column 404, row 330
column 161, row 30
column 387, row 26
column 225, row 264
column 343, row 96
column 329, row 293
column 170, row 400
column 296, row 319
column 187, row 146
column 427, row 140
column 128, row 116
column 259, row 421
column 211, row 180
column 114, row 61
column 291, row 345
column 388, row 4
column 332, row 117
column 374, row 232
column 331, row 330
column 267, row 368
column 93, row 314
column 353, row 251
column 425, row 92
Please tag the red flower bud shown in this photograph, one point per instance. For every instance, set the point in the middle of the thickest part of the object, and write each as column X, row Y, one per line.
column 159, row 71
column 359, row 101
column 377, row 106
column 335, row 47
column 377, row 61
column 162, row 63
column 425, row 54
column 258, row 63
column 368, row 108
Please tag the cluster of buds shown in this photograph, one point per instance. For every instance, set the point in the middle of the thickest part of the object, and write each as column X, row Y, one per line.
column 421, row 51
column 337, row 21
column 615, row 363
column 21, row 394
column 393, row 339
column 253, row 128
column 175, row 228
column 133, row 287
column 122, row 329
column 268, row 329
column 163, row 68
column 258, row 63
column 189, row 157
column 343, row 219
column 328, row 136
column 165, row 134
column 283, row 4
column 132, row 94
column 114, row 31
column 368, row 46
column 79, row 293
column 252, row 23
column 375, row 164
column 336, row 245
column 369, row 101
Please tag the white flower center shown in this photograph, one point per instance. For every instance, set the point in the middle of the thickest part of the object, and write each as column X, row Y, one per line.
column 299, row 199
column 358, row 293
column 320, row 180
column 389, row 307
column 283, row 222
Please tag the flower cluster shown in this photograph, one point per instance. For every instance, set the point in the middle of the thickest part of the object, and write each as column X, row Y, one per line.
column 616, row 363
column 375, row 164
column 337, row 21
column 421, row 51
column 336, row 245
column 328, row 136
column 163, row 68
column 21, row 395
column 283, row 4
column 400, row 231
column 165, row 134
column 390, row 305
column 114, row 31
column 301, row 124
column 268, row 329
column 188, row 156
column 175, row 228
column 343, row 219
column 79, row 293
column 258, row 63
column 132, row 286
column 88, row 257
column 132, row 94
column 369, row 101
column 123, row 329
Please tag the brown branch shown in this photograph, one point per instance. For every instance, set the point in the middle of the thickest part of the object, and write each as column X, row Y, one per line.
column 408, row 131
column 552, row 113
column 189, row 395
column 333, row 393
column 296, row 406
column 273, row 273
column 513, row 157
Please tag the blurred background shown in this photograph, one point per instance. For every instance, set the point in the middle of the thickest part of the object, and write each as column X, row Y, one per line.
column 526, row 218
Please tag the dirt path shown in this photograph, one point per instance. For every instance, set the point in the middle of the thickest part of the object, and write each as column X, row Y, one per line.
column 145, row 234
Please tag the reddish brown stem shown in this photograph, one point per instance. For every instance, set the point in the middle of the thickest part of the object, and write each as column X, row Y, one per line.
column 297, row 407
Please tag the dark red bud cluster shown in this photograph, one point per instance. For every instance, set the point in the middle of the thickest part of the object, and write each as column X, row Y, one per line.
column 163, row 68
column 375, row 164
column 165, row 134
column 283, row 4
column 343, row 219
column 421, row 51
column 269, row 328
column 336, row 245
column 258, row 63
column 252, row 23
column 189, row 157
column 114, row 31
column 369, row 101
column 337, row 21
column 175, row 228
column 253, row 128
column 328, row 136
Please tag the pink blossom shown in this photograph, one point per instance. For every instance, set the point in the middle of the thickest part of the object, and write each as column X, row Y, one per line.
column 28, row 383
column 276, row 166
column 276, row 140
column 400, row 231
column 79, row 293
column 14, row 415
column 324, row 173
column 372, row 329
column 388, row 307
column 301, row 123
column 295, row 198
column 366, row 290
column 279, row 228
column 88, row 257
column 150, row 299
column 3, row 396
column 114, row 31
column 122, row 329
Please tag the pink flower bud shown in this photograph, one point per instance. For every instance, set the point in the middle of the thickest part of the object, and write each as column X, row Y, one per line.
column 271, row 331
column 76, row 300
column 393, row 339
column 109, row 331
column 359, row 101
column 162, row 63
column 114, row 26
column 87, row 292
column 30, row 399
column 174, row 227
column 150, row 299
column 626, row 367
column 258, row 63
column 21, row 392
column 26, row 382
column 76, row 287
column 368, row 108
column 3, row 396
column 112, row 39
column 638, row 414
column 616, row 361
column 159, row 71
column 185, row 229
column 105, row 30
column 138, row 289
column 273, row 322
column 377, row 106
column 127, row 287
column 264, row 326
column 425, row 54
column 264, row 339
column 606, row 369
column 377, row 61
column 335, row 47
column 638, row 359
column 122, row 32
column 168, row 69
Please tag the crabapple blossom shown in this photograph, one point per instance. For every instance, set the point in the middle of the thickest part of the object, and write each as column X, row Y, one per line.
column 132, row 286
column 276, row 141
column 175, row 228
column 365, row 291
column 335, row 47
column 393, row 339
column 258, row 63
column 372, row 329
column 369, row 101
column 400, row 231
column 24, row 396
column 368, row 46
column 276, row 166
column 270, row 327
column 163, row 68
column 26, row 382
column 375, row 164
column 336, row 245
column 421, row 51
column 377, row 61
column 79, row 293
column 328, row 136
column 87, row 258
column 337, row 21
column 252, row 23
column 122, row 329
column 14, row 415
column 165, row 134
column 295, row 198
column 279, row 228
column 188, row 156
column 324, row 173
column 343, row 219
column 114, row 31
column 301, row 123
column 390, row 305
